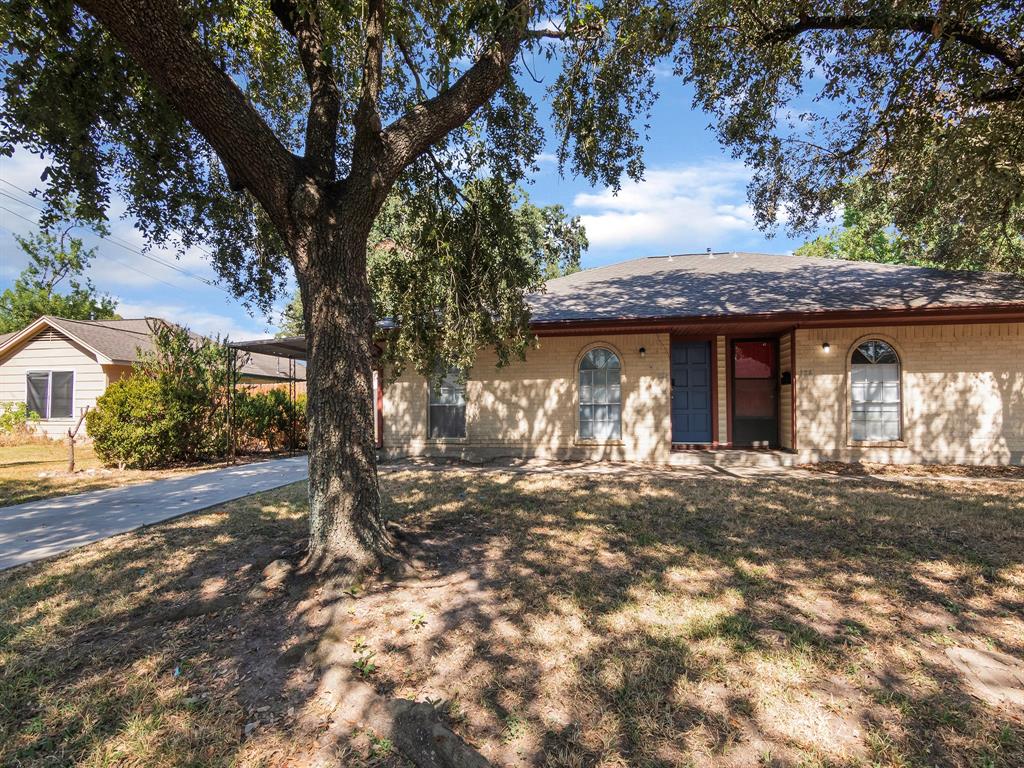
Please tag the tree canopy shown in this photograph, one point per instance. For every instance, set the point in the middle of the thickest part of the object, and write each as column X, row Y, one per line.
column 323, row 82
column 922, row 103
column 53, row 283
column 866, row 234
column 415, row 266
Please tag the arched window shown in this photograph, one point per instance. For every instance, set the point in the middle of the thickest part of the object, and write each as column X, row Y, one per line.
column 875, row 392
column 600, row 395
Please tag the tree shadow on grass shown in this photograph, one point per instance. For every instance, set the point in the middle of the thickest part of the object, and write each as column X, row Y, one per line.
column 559, row 620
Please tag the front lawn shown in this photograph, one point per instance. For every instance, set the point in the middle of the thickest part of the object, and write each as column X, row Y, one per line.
column 38, row 470
column 559, row 620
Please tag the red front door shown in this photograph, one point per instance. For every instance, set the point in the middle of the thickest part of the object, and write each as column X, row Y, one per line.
column 755, row 393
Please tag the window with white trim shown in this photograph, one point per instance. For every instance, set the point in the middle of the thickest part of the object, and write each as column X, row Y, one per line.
column 875, row 392
column 447, row 410
column 600, row 394
column 51, row 394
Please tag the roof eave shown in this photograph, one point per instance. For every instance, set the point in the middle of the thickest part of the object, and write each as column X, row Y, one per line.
column 820, row 318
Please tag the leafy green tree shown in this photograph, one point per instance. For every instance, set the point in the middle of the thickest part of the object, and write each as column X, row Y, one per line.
column 291, row 318
column 410, row 263
column 921, row 101
column 52, row 283
column 273, row 132
column 868, row 235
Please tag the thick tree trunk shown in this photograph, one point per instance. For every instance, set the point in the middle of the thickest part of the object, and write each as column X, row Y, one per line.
column 347, row 532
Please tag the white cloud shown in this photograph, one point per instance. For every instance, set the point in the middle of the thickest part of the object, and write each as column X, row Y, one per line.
column 684, row 208
column 204, row 322
column 23, row 170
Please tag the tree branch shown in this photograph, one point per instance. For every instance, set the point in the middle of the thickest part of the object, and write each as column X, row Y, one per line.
column 979, row 39
column 158, row 39
column 428, row 122
column 546, row 33
column 367, row 144
column 1005, row 94
column 303, row 24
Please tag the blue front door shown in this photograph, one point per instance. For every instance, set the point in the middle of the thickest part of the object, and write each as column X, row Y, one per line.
column 691, row 392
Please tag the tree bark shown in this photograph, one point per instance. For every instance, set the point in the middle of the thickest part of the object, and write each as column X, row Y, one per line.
column 347, row 532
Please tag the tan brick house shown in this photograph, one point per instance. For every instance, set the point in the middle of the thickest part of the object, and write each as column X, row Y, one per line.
column 675, row 358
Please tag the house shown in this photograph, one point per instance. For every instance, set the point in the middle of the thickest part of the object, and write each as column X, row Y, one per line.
column 667, row 359
column 59, row 366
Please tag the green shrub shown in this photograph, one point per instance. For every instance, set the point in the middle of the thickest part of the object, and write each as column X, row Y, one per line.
column 269, row 419
column 170, row 410
column 16, row 420
column 128, row 426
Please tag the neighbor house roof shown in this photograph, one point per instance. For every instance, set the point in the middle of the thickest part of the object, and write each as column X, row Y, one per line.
column 119, row 341
column 724, row 285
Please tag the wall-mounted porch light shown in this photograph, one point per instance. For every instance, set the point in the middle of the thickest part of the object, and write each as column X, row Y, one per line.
column 643, row 351
column 826, row 347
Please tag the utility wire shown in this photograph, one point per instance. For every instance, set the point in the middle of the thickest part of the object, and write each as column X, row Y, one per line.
column 118, row 242
column 27, row 193
column 114, row 258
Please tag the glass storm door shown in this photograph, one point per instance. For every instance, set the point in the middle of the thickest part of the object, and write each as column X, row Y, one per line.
column 755, row 394
column 691, row 392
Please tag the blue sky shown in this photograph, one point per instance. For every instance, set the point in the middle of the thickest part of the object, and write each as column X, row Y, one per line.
column 693, row 197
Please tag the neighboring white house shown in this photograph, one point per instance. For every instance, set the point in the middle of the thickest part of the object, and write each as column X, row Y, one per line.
column 58, row 366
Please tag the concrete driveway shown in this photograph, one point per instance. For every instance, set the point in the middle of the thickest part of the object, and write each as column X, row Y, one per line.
column 47, row 527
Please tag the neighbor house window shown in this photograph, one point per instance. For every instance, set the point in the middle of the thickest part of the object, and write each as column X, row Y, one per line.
column 50, row 393
column 447, row 412
column 875, row 392
column 600, row 395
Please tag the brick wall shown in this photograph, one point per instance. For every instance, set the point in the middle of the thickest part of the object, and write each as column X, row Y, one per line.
column 530, row 408
column 962, row 394
column 962, row 399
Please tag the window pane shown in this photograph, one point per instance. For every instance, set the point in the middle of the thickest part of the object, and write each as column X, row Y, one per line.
column 600, row 394
column 875, row 393
column 36, row 385
column 875, row 352
column 447, row 421
column 753, row 359
column 449, row 390
column 61, row 399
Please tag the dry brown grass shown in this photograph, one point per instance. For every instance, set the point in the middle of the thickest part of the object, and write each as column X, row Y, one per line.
column 557, row 620
column 37, row 469
column 22, row 467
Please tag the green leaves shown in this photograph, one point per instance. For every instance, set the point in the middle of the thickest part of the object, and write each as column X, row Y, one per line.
column 901, row 99
column 452, row 271
column 52, row 283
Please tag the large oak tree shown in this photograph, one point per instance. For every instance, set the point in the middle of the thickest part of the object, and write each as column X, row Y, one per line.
column 273, row 132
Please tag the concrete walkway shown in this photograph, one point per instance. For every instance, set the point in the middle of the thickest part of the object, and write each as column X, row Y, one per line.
column 47, row 527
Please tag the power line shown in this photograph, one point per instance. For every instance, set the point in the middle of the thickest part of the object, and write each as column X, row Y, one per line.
column 27, row 193
column 114, row 258
column 116, row 241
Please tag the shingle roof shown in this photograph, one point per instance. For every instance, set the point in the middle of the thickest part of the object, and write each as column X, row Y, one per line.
column 121, row 340
column 738, row 284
